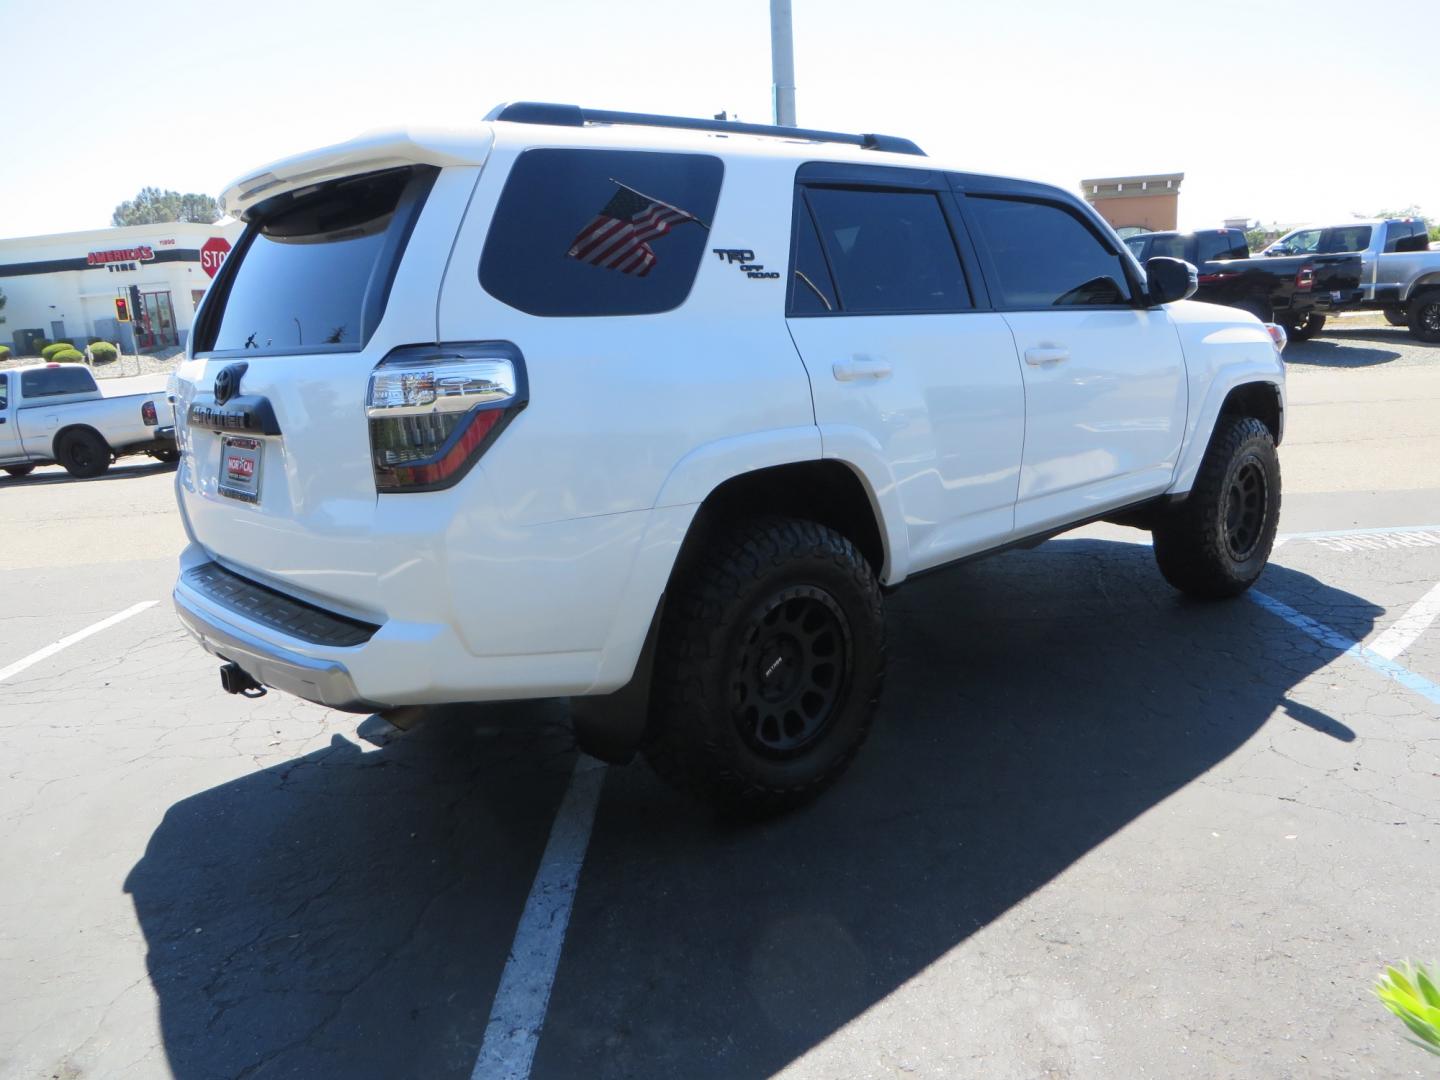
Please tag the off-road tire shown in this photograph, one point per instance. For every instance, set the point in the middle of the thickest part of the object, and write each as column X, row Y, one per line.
column 733, row 653
column 1209, row 547
column 1304, row 329
column 1424, row 315
column 84, row 454
column 1397, row 316
column 19, row 470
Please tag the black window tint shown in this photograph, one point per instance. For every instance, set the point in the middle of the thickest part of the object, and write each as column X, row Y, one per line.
column 4, row 392
column 891, row 251
column 811, row 290
column 1045, row 256
column 50, row 382
column 600, row 232
column 1171, row 247
column 1347, row 240
column 1212, row 245
column 313, row 272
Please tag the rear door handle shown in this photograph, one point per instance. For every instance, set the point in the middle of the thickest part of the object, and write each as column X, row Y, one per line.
column 861, row 369
column 1043, row 356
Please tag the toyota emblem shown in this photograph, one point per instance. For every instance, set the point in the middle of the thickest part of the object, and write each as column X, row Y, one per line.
column 227, row 383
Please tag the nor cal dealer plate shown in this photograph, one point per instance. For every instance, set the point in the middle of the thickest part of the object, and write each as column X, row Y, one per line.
column 240, row 467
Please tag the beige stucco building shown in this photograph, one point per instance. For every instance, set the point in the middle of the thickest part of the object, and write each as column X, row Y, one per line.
column 1136, row 203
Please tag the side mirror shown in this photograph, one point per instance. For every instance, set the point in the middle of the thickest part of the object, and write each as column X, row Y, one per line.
column 1170, row 280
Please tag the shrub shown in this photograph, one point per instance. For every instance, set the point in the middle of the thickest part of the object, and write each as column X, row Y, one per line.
column 48, row 352
column 66, row 356
column 93, row 340
column 4, row 353
column 1413, row 997
column 102, row 352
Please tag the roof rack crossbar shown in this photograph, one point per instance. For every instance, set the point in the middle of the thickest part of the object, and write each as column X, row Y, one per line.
column 540, row 112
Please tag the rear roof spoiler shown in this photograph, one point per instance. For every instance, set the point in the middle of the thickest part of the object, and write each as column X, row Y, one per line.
column 540, row 112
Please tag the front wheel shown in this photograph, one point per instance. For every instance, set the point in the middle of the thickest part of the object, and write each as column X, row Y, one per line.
column 770, row 663
column 84, row 454
column 19, row 470
column 1301, row 329
column 1424, row 315
column 1216, row 543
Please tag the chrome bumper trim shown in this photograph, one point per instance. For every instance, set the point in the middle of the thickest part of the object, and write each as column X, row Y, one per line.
column 325, row 682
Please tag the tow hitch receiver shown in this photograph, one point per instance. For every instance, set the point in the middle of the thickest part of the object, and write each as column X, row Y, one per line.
column 233, row 680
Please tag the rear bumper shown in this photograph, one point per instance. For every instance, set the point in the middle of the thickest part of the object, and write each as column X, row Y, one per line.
column 323, row 681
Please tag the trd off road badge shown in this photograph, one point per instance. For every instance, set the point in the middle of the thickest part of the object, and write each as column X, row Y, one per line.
column 746, row 258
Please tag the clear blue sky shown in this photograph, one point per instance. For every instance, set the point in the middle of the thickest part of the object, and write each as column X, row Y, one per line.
column 1282, row 111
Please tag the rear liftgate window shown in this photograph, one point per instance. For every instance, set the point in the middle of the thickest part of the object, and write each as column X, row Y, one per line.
column 600, row 232
column 314, row 269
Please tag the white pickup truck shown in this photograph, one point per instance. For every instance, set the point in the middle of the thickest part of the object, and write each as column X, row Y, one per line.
column 57, row 414
column 649, row 411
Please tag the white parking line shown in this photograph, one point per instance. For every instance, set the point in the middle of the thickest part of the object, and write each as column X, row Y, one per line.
column 1399, row 635
column 518, row 1012
column 79, row 635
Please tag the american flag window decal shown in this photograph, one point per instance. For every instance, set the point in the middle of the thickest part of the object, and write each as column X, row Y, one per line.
column 593, row 231
column 618, row 237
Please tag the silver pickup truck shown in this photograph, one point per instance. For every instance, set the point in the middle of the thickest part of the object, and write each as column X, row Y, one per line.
column 56, row 413
column 1399, row 273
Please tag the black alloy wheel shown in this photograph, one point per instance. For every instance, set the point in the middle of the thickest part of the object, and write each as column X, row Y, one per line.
column 1425, row 319
column 791, row 672
column 1245, row 510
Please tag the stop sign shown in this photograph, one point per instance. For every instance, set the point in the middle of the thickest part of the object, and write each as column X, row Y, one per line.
column 213, row 253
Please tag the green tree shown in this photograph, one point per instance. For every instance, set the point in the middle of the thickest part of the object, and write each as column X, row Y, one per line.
column 152, row 206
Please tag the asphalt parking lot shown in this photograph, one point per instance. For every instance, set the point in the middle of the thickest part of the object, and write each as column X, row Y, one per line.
column 1099, row 831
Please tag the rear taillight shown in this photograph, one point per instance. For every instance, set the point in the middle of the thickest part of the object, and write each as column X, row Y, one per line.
column 148, row 414
column 434, row 409
column 1305, row 278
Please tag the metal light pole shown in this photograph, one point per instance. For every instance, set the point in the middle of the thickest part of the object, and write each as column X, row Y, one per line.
column 782, row 62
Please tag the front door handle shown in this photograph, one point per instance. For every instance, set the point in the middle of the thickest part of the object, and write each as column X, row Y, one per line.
column 861, row 369
column 1047, row 355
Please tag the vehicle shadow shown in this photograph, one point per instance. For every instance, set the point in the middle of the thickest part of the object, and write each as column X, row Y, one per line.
column 48, row 475
column 1338, row 353
column 348, row 913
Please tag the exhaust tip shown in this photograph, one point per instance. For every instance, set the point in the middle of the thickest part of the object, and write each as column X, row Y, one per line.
column 235, row 680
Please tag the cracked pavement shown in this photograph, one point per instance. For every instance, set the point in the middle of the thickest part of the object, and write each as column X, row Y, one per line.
column 1098, row 832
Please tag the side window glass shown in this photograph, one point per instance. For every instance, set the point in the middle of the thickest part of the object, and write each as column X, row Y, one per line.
column 600, row 232
column 1171, row 247
column 1303, row 243
column 1045, row 256
column 4, row 392
column 1212, row 246
column 811, row 290
column 891, row 251
column 1346, row 241
column 1136, row 244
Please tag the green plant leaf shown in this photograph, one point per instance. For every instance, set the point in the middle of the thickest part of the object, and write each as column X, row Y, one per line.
column 1427, row 988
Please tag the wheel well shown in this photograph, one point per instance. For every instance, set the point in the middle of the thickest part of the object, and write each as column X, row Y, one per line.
column 1429, row 281
column 825, row 491
column 64, row 432
column 1260, row 400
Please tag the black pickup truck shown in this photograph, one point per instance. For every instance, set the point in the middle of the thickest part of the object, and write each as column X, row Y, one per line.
column 1294, row 291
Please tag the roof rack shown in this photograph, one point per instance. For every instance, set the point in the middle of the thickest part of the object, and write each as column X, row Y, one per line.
column 540, row 112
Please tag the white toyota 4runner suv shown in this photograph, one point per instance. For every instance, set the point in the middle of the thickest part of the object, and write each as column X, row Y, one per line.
column 651, row 412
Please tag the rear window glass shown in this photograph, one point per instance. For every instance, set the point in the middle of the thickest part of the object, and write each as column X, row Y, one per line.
column 50, row 382
column 600, row 232
column 312, row 273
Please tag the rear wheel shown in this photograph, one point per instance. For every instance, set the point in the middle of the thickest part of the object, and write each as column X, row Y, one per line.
column 1299, row 329
column 1216, row 543
column 770, row 663
column 84, row 454
column 19, row 470
column 167, row 456
column 1425, row 315
column 1397, row 316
